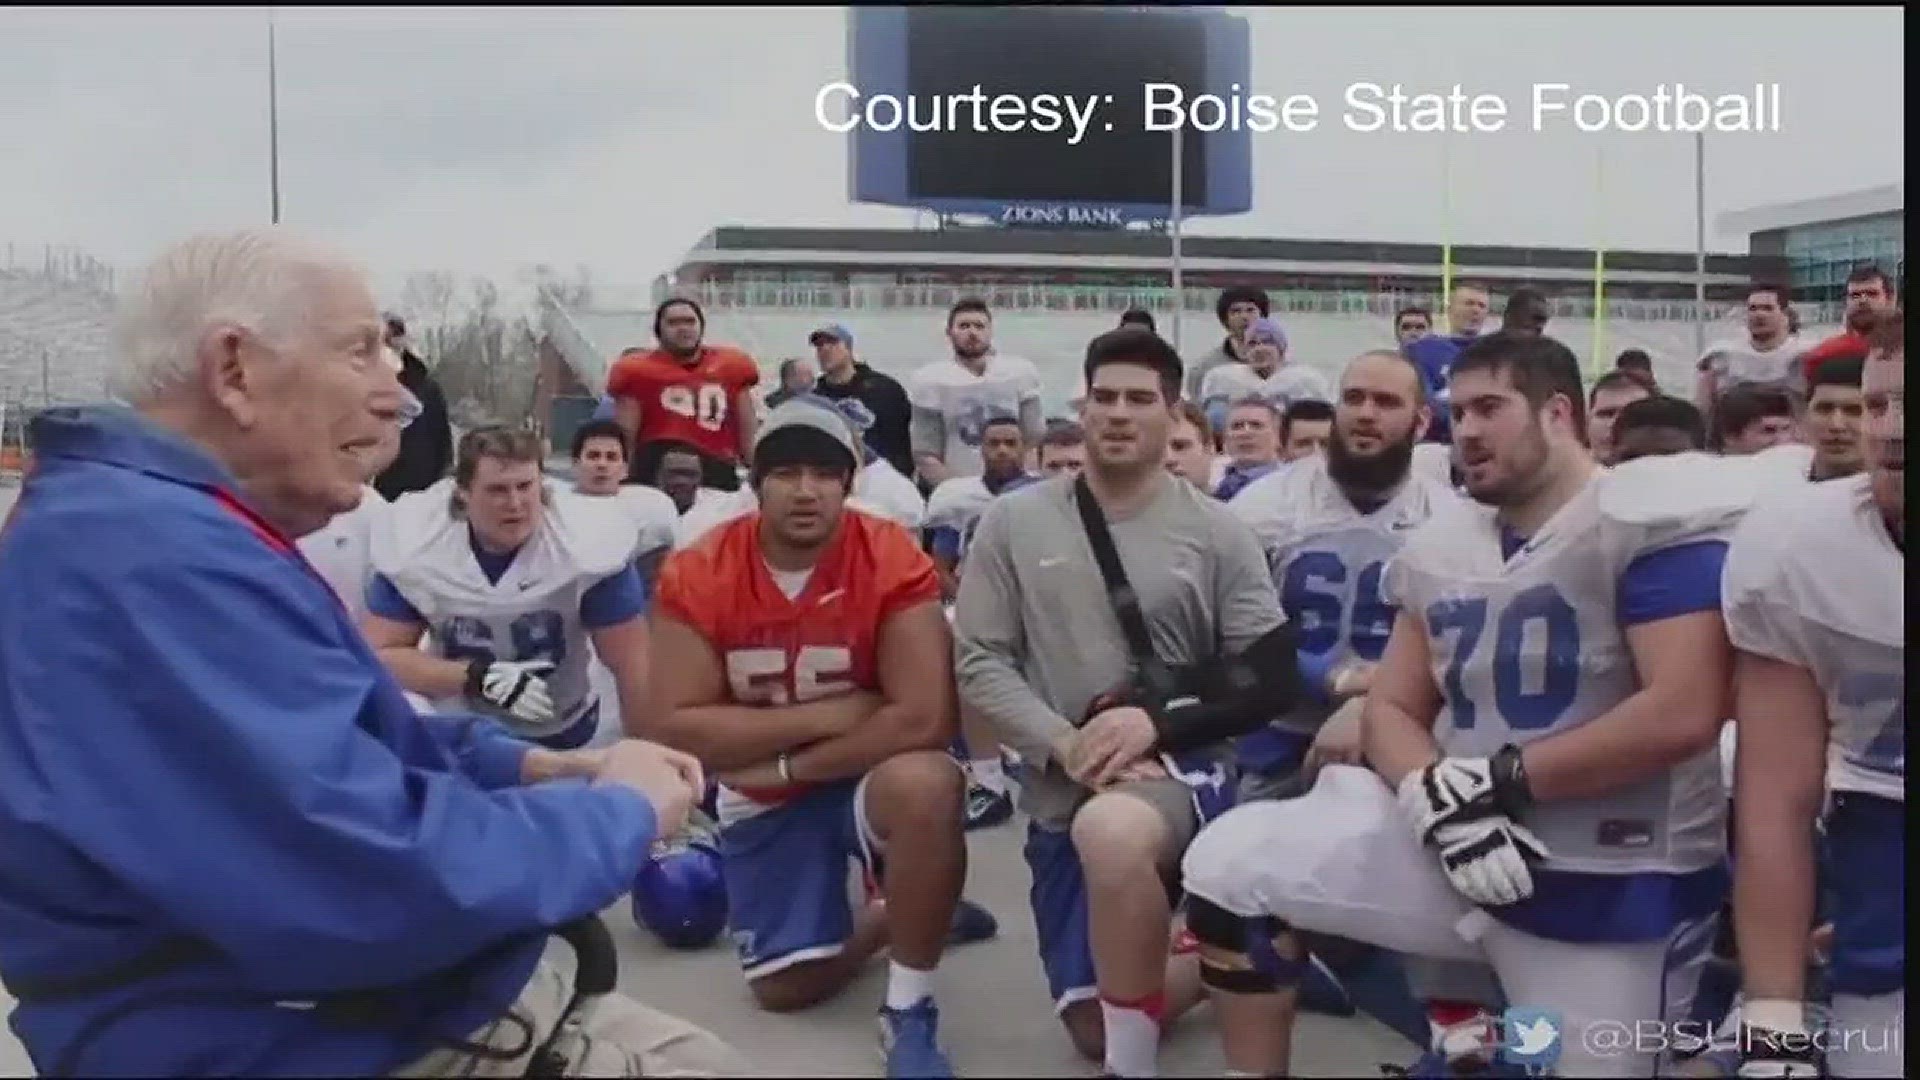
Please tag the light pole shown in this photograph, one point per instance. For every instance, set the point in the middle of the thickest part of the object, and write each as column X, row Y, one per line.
column 1179, row 211
column 1699, row 242
column 273, row 120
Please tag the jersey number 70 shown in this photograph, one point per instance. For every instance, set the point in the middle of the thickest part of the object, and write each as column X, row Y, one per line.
column 1541, row 607
column 1879, row 694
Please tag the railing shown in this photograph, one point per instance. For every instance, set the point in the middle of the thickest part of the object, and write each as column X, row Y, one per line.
column 588, row 360
column 63, row 265
column 1115, row 299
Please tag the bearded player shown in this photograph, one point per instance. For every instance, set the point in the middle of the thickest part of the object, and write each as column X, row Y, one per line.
column 954, row 399
column 686, row 392
column 520, row 585
column 1329, row 526
column 1814, row 606
column 1547, row 708
column 805, row 660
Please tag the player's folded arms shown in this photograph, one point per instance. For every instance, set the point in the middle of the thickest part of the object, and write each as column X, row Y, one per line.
column 835, row 729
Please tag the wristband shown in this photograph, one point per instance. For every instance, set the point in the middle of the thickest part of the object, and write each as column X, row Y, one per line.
column 1508, row 773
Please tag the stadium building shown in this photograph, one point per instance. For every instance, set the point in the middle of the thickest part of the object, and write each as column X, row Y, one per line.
column 1822, row 240
column 765, row 289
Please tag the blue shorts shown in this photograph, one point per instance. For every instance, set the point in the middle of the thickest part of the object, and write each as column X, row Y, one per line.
column 1058, row 893
column 1058, row 896
column 786, row 875
column 1867, row 868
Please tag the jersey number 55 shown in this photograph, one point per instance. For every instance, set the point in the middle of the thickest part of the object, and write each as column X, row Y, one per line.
column 766, row 677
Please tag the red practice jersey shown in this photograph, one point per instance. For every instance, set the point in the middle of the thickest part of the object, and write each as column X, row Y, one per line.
column 823, row 642
column 689, row 403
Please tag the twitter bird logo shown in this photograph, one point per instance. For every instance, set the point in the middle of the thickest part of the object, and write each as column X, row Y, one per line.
column 1530, row 1038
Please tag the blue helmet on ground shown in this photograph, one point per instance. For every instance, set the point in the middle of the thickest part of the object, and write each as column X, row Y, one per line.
column 681, row 896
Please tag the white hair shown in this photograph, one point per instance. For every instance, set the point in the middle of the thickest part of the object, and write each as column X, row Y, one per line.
column 255, row 278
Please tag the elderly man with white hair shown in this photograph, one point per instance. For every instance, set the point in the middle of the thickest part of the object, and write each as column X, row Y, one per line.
column 228, row 846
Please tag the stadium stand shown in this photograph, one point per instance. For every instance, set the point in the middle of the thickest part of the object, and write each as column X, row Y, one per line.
column 55, row 319
column 898, row 329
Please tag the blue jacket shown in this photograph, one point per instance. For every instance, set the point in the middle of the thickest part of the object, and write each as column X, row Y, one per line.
column 1434, row 356
column 196, row 741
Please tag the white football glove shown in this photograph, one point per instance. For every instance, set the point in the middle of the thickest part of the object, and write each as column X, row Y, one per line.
column 1775, row 1043
column 1451, row 789
column 1487, row 859
column 517, row 688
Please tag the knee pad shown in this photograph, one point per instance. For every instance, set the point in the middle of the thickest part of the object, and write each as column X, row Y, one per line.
column 1242, row 955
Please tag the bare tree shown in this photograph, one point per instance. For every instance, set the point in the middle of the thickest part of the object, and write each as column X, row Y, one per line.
column 483, row 352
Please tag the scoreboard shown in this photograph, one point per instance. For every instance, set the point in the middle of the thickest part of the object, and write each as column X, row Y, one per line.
column 1038, row 116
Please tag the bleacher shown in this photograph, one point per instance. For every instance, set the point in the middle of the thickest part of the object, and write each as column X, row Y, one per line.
column 55, row 331
column 897, row 329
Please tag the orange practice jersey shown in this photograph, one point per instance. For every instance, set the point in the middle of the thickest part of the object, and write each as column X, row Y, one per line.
column 689, row 403
column 777, row 651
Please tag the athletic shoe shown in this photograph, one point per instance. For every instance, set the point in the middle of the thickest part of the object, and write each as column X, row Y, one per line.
column 909, row 1039
column 1468, row 1048
column 971, row 923
column 987, row 808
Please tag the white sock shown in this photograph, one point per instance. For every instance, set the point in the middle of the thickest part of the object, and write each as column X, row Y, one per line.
column 907, row 987
column 1133, row 1041
column 988, row 773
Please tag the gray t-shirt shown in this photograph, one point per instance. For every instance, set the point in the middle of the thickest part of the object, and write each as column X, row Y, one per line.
column 1035, row 639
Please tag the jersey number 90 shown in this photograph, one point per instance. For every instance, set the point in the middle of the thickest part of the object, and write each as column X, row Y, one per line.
column 765, row 677
column 706, row 406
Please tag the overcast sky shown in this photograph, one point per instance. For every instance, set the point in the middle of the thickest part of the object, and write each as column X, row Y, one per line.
column 485, row 141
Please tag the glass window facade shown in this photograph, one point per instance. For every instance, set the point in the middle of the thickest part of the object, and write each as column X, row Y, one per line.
column 1819, row 257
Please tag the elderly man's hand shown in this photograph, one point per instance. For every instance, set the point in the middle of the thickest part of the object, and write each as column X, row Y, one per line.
column 541, row 765
column 670, row 780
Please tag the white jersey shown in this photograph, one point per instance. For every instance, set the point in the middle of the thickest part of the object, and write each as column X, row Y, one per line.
column 1788, row 463
column 965, row 402
column 652, row 513
column 1230, row 384
column 1736, row 361
column 1327, row 559
column 1434, row 461
column 878, row 489
column 339, row 551
column 1813, row 580
column 532, row 612
column 1530, row 646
